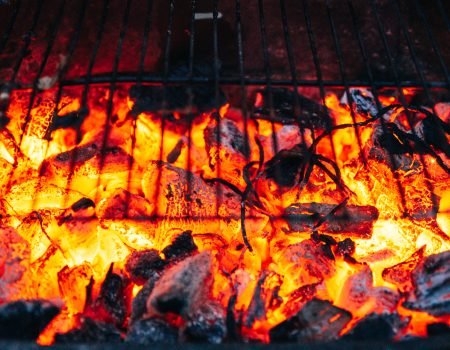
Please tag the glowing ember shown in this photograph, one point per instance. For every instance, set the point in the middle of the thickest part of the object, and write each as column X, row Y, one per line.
column 131, row 220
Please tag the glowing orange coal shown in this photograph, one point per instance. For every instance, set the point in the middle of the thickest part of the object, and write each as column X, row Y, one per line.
column 76, row 200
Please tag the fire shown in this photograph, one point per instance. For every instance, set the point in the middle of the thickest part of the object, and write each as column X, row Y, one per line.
column 84, row 195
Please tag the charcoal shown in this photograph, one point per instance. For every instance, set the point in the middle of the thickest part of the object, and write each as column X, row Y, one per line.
column 363, row 101
column 72, row 120
column 141, row 265
column 152, row 331
column 374, row 327
column 90, row 331
column 83, row 203
column 176, row 151
column 438, row 328
column 350, row 219
column 113, row 298
column 307, row 262
column 176, row 199
column 298, row 298
column 345, row 247
column 123, row 204
column 318, row 320
column 182, row 287
column 284, row 167
column 310, row 114
column 431, row 280
column 206, row 324
column 177, row 98
column 181, row 247
column 434, row 132
column 24, row 320
column 139, row 303
column 401, row 273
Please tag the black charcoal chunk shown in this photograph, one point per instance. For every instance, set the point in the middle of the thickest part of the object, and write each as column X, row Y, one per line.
column 139, row 303
column 90, row 331
column 182, row 287
column 152, row 331
column 25, row 319
column 113, row 297
column 431, row 281
column 374, row 327
column 181, row 247
column 72, row 120
column 318, row 320
column 206, row 324
column 83, row 203
column 141, row 265
column 434, row 132
column 310, row 115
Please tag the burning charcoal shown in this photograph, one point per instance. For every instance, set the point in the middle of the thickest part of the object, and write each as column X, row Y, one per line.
column 433, row 131
column 14, row 260
column 318, row 320
column 176, row 199
column 83, row 203
column 400, row 274
column 298, row 298
column 345, row 247
column 387, row 146
column 438, row 329
column 152, row 331
column 123, row 204
column 24, row 320
column 141, row 265
column 113, row 298
column 206, row 324
column 310, row 114
column 431, row 280
column 363, row 101
column 38, row 194
column 307, row 261
column 182, row 287
column 350, row 219
column 177, row 98
column 181, row 247
column 73, row 284
column 175, row 153
column 90, row 331
column 376, row 327
column 72, row 120
column 139, row 303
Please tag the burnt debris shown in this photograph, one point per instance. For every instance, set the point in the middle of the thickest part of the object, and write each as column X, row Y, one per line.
column 141, row 265
column 90, row 331
column 181, row 247
column 26, row 319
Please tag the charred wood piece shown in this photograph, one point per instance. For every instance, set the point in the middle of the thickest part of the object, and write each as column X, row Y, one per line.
column 152, row 331
column 181, row 247
column 350, row 219
column 431, row 280
column 310, row 114
column 83, row 203
column 433, row 131
column 182, row 287
column 141, row 265
column 90, row 331
column 25, row 319
column 318, row 320
column 362, row 100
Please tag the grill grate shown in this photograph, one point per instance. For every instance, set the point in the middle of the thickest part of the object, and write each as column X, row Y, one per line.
column 267, row 75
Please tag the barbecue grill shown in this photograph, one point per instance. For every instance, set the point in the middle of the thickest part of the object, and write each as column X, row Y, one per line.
column 182, row 59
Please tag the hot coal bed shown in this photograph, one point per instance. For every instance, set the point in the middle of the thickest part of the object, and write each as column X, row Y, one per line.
column 224, row 172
